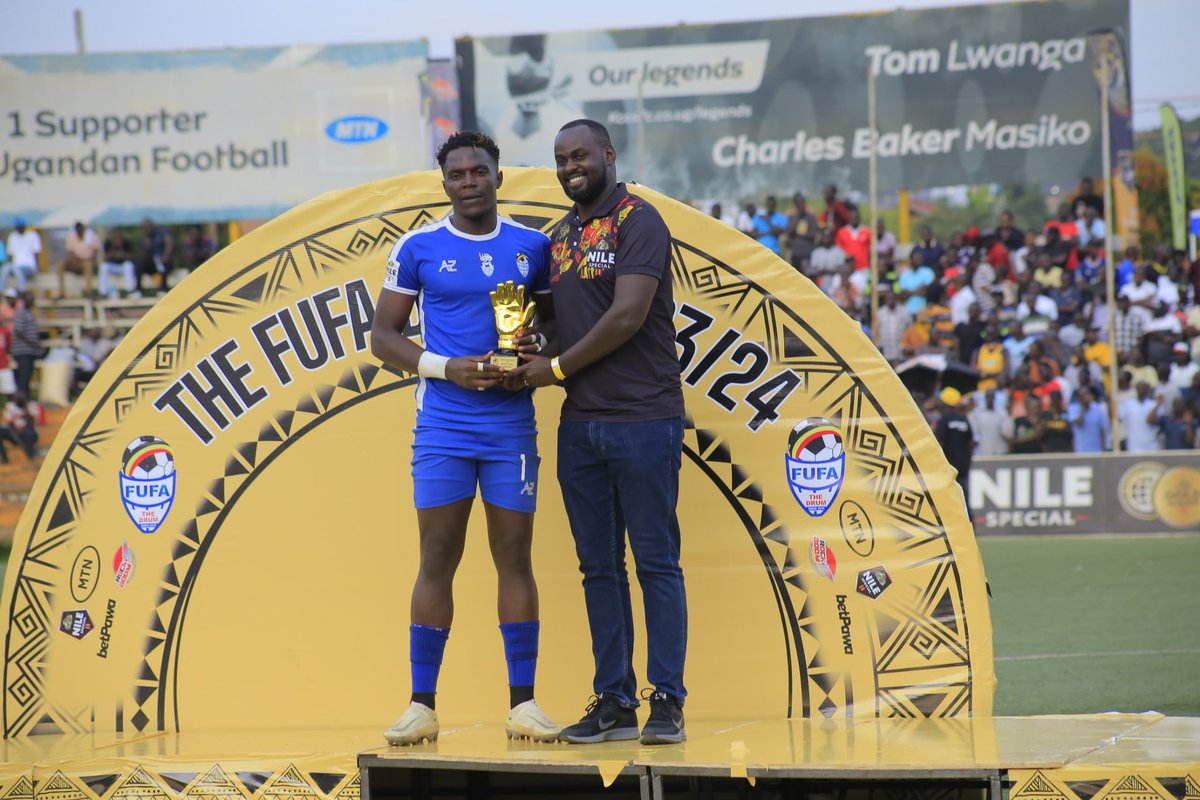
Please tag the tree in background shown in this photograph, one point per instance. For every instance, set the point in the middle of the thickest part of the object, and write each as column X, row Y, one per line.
column 984, row 204
column 1154, row 204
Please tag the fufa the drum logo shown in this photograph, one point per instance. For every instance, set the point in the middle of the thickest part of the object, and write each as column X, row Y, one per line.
column 816, row 464
column 148, row 482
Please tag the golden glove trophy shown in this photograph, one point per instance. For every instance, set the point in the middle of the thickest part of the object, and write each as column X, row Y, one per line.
column 508, row 303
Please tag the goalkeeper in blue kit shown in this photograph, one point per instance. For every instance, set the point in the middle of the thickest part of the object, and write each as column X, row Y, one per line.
column 468, row 274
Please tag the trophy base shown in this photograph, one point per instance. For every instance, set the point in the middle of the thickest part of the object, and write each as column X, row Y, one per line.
column 505, row 360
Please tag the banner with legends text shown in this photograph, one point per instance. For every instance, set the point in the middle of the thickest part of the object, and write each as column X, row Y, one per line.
column 203, row 135
column 992, row 93
column 222, row 535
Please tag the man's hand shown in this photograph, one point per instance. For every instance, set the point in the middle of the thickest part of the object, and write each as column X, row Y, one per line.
column 473, row 372
column 531, row 341
column 534, row 371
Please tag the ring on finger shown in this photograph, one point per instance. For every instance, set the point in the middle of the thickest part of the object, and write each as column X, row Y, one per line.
column 479, row 366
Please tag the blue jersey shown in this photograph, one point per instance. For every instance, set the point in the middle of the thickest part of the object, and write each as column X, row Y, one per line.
column 451, row 274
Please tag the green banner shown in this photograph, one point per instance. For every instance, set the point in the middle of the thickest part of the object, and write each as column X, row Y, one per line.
column 1173, row 158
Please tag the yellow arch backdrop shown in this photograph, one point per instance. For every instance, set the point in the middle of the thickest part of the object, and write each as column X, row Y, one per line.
column 274, row 589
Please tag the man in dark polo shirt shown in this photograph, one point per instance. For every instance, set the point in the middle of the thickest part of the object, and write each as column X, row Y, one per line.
column 621, row 435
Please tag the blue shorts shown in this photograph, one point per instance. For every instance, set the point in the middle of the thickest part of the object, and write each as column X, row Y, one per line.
column 506, row 472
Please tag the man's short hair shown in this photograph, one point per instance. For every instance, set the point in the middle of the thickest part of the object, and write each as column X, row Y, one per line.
column 468, row 139
column 598, row 130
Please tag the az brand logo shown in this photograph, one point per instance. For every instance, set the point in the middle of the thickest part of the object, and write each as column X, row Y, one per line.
column 448, row 265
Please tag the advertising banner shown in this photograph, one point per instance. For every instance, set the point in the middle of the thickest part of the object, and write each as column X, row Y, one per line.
column 223, row 534
column 202, row 135
column 1110, row 64
column 1050, row 493
column 1176, row 180
column 996, row 93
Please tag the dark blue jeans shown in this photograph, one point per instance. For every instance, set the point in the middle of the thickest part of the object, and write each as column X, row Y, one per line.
column 617, row 477
column 24, row 373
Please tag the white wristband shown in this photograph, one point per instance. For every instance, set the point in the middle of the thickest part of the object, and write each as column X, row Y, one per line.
column 431, row 365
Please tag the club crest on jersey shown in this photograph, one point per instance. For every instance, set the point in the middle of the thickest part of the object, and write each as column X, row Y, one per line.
column 148, row 482
column 485, row 264
column 523, row 265
column 816, row 464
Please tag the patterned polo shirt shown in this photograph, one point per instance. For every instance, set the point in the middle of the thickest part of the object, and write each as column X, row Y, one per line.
column 639, row 380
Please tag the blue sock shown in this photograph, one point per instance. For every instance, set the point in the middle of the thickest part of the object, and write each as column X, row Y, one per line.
column 426, row 645
column 520, row 651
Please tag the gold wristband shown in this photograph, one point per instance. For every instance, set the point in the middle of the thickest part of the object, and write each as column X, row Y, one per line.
column 556, row 368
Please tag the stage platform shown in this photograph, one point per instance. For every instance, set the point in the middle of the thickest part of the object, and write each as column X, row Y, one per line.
column 1094, row 757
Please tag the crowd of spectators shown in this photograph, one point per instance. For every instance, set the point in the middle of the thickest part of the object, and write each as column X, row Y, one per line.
column 111, row 260
column 1026, row 312
column 110, row 267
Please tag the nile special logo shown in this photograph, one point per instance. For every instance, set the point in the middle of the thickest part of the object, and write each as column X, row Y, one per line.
column 76, row 624
column 816, row 464
column 523, row 265
column 873, row 582
column 147, row 481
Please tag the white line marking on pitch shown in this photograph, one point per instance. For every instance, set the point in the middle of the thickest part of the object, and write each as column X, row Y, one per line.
column 1040, row 656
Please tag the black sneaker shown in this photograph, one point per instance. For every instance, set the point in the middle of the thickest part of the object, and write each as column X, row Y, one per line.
column 665, row 725
column 605, row 720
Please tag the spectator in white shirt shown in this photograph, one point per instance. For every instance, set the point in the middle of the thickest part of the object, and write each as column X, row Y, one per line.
column 1036, row 304
column 1138, row 416
column 964, row 297
column 1021, row 259
column 987, row 423
column 1183, row 369
column 745, row 220
column 83, row 246
column 885, row 241
column 1091, row 227
column 894, row 319
column 24, row 244
column 1168, row 291
column 826, row 259
column 1142, row 294
column 1072, row 334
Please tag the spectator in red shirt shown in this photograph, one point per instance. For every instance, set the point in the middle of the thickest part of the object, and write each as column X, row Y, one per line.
column 1068, row 232
column 837, row 212
column 8, row 383
column 855, row 239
